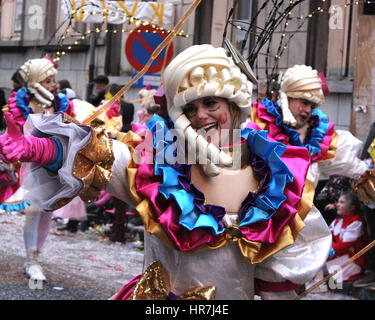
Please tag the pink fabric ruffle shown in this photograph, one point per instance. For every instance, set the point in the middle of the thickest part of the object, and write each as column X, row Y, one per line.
column 9, row 190
column 166, row 211
column 70, row 110
column 138, row 128
column 127, row 289
column 297, row 160
column 322, row 155
column 277, row 134
column 147, row 184
column 113, row 111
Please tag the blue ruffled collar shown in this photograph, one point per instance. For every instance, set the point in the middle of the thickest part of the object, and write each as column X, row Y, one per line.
column 23, row 97
column 316, row 132
column 176, row 180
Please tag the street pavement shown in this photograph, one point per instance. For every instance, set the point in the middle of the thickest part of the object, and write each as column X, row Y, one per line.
column 78, row 266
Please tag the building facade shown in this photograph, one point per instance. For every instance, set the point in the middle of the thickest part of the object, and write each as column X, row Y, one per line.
column 336, row 37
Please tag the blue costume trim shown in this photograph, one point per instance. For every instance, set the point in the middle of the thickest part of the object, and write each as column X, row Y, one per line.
column 62, row 102
column 189, row 199
column 58, row 160
column 13, row 207
column 317, row 133
column 23, row 99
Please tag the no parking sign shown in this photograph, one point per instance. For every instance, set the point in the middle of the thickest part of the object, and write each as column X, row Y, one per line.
column 140, row 45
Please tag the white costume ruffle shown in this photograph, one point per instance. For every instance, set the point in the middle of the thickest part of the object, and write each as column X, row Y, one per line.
column 345, row 162
column 44, row 188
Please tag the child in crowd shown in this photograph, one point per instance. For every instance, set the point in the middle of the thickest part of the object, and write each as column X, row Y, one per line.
column 349, row 235
column 150, row 111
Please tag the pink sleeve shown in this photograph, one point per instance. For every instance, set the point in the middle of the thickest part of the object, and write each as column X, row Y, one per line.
column 16, row 113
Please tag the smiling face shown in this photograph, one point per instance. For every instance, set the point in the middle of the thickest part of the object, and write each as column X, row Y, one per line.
column 213, row 115
column 49, row 84
column 301, row 110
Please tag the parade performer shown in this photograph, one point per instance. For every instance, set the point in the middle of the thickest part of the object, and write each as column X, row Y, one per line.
column 295, row 120
column 231, row 208
column 146, row 94
column 36, row 96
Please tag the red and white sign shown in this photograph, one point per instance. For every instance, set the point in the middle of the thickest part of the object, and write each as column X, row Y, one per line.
column 140, row 45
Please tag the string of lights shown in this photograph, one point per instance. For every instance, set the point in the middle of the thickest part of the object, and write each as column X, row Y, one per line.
column 165, row 43
column 272, row 23
column 118, row 13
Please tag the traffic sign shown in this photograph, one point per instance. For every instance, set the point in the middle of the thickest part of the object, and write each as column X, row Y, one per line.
column 140, row 45
column 151, row 79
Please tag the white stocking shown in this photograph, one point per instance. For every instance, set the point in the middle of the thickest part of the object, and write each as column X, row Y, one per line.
column 35, row 232
column 30, row 229
column 43, row 228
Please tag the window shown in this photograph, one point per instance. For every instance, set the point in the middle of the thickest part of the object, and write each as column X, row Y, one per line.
column 17, row 27
column 11, row 19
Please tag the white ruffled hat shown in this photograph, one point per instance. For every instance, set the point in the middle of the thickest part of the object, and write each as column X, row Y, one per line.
column 299, row 82
column 147, row 96
column 203, row 71
column 35, row 71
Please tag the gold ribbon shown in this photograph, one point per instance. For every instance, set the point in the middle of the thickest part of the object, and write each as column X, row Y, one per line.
column 365, row 187
column 154, row 284
column 331, row 153
column 371, row 150
column 92, row 164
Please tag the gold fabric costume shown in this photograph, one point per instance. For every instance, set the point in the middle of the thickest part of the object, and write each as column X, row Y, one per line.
column 154, row 285
column 93, row 163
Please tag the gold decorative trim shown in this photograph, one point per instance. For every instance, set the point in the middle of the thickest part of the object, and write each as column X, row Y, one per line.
column 154, row 284
column 365, row 187
column 92, row 164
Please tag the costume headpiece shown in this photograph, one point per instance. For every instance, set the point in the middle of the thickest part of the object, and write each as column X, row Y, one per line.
column 203, row 71
column 147, row 96
column 299, row 82
column 35, row 71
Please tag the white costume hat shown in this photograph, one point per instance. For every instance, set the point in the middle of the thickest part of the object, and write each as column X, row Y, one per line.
column 203, row 71
column 70, row 94
column 35, row 71
column 148, row 97
column 299, row 82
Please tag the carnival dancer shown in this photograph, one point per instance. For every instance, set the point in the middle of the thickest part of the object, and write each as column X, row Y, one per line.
column 147, row 100
column 296, row 120
column 36, row 96
column 214, row 214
